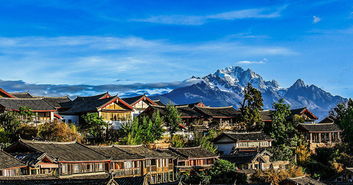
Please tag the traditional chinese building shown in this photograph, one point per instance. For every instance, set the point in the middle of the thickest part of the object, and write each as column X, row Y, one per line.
column 304, row 180
column 139, row 103
column 321, row 134
column 229, row 142
column 158, row 165
column 60, row 158
column 113, row 109
column 255, row 160
column 10, row 166
column 42, row 111
column 123, row 164
column 192, row 158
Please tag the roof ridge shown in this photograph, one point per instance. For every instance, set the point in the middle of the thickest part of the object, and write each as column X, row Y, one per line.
column 51, row 96
column 48, row 142
column 190, row 147
column 130, row 146
column 316, row 123
column 215, row 107
column 253, row 132
column 34, row 98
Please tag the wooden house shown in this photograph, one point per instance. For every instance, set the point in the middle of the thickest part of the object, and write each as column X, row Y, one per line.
column 113, row 109
column 345, row 177
column 43, row 112
column 10, row 166
column 61, row 158
column 230, row 142
column 158, row 165
column 257, row 159
column 303, row 115
column 303, row 180
column 192, row 158
column 321, row 134
column 199, row 117
column 123, row 164
column 139, row 103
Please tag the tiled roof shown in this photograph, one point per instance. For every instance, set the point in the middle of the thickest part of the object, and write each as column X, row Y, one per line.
column 33, row 103
column 132, row 100
column 193, row 152
column 319, row 127
column 115, row 153
column 83, row 106
column 245, row 157
column 245, row 136
column 218, row 111
column 57, row 101
column 64, row 151
column 8, row 161
column 144, row 151
column 304, row 181
column 141, row 180
column 22, row 95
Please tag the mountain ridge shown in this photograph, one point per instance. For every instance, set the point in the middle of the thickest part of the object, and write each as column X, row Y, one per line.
column 225, row 88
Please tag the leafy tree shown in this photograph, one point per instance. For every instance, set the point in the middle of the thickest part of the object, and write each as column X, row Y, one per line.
column 251, row 107
column 142, row 130
column 343, row 115
column 172, row 119
column 27, row 131
column 95, row 127
column 275, row 177
column 303, row 153
column 178, row 141
column 205, row 141
column 58, row 131
column 26, row 114
column 9, row 122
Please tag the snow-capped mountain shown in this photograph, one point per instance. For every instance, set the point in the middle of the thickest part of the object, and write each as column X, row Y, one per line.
column 225, row 86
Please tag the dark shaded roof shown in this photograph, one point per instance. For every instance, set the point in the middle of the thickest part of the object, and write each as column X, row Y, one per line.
column 193, row 152
column 141, row 180
column 115, row 153
column 57, row 101
column 144, row 151
column 327, row 120
column 35, row 104
column 244, row 157
column 244, row 136
column 158, row 102
column 132, row 100
column 201, row 104
column 184, row 111
column 22, row 95
column 8, row 161
column 90, row 106
column 31, row 159
column 90, row 98
column 64, row 151
column 301, row 111
column 4, row 93
column 319, row 127
column 304, row 181
column 218, row 111
column 99, row 179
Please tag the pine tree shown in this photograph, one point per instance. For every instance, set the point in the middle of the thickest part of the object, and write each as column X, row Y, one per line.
column 251, row 107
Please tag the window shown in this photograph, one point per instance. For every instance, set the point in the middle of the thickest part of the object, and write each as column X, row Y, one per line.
column 153, row 161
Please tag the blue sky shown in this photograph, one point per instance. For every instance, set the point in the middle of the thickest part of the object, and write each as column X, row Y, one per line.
column 125, row 42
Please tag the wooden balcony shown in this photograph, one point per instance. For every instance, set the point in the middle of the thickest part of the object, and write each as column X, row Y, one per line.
column 127, row 172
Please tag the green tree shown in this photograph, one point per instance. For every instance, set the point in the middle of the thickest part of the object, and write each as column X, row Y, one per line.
column 343, row 115
column 172, row 119
column 251, row 107
column 26, row 114
column 95, row 127
column 58, row 131
column 10, row 122
column 178, row 141
column 142, row 130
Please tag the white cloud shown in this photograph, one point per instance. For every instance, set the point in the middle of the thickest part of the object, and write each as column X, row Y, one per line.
column 316, row 19
column 263, row 61
column 98, row 60
column 259, row 13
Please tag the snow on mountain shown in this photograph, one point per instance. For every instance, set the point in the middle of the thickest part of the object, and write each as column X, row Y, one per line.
column 225, row 86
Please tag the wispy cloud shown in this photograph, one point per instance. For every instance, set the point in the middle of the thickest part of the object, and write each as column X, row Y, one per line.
column 100, row 60
column 316, row 19
column 263, row 61
column 257, row 13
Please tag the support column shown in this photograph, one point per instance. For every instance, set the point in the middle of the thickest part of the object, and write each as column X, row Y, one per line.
column 311, row 137
column 330, row 136
column 319, row 137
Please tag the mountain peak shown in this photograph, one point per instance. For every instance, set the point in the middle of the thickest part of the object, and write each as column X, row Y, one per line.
column 299, row 83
